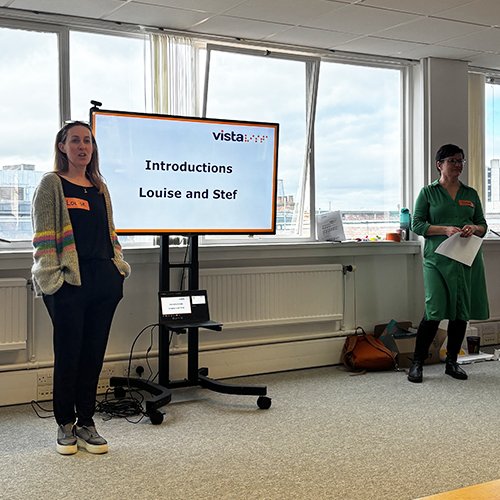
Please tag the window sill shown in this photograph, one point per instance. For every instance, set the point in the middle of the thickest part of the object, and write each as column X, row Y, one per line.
column 238, row 255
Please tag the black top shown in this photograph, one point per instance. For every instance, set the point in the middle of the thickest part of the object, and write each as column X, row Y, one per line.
column 87, row 212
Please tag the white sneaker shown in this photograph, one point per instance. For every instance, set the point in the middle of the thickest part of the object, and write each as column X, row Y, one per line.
column 89, row 439
column 66, row 440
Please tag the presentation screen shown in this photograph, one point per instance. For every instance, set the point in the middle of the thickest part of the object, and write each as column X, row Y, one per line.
column 179, row 175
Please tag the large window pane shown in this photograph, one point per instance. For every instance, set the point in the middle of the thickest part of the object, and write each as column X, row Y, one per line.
column 113, row 70
column 110, row 69
column 248, row 87
column 358, row 147
column 29, row 108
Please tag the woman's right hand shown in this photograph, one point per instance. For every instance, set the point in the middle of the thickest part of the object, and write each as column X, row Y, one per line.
column 451, row 230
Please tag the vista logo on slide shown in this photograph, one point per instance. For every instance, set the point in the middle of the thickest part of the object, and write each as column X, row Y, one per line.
column 235, row 137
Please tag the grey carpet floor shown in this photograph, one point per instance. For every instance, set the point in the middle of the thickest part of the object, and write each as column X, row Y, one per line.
column 327, row 435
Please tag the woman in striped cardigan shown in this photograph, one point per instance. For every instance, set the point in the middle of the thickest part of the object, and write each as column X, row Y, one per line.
column 79, row 271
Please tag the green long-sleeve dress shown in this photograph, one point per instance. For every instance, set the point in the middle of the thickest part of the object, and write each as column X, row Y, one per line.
column 452, row 290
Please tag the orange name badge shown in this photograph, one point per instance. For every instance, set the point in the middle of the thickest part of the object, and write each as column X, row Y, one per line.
column 77, row 203
column 466, row 203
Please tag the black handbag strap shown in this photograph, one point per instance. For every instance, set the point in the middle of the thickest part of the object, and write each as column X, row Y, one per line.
column 360, row 332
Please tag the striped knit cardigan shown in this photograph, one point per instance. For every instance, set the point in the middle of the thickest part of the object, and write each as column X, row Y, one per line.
column 55, row 255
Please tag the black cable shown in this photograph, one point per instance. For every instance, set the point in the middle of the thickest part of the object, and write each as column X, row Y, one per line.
column 169, row 344
column 181, row 285
column 131, row 405
column 122, row 407
column 34, row 404
column 125, row 407
column 152, row 326
column 148, row 350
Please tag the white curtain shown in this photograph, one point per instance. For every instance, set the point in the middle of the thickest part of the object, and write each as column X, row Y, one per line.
column 476, row 160
column 174, row 66
column 305, row 194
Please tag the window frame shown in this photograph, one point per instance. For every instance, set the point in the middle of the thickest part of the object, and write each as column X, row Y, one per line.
column 311, row 65
column 308, row 167
column 63, row 34
column 313, row 57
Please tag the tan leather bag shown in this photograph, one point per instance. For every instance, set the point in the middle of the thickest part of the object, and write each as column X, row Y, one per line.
column 362, row 351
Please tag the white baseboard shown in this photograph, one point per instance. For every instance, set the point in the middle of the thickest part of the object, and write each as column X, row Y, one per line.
column 18, row 387
column 23, row 386
column 253, row 360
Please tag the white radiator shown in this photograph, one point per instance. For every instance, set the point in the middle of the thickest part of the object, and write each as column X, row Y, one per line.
column 243, row 297
column 13, row 314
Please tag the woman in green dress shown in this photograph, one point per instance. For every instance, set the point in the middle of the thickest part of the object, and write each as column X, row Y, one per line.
column 453, row 290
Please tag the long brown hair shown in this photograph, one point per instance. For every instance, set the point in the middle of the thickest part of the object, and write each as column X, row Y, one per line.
column 92, row 172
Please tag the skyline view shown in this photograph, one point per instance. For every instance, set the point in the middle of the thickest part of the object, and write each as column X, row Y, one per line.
column 357, row 125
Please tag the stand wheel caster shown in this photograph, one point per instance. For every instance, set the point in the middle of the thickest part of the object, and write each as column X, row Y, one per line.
column 264, row 403
column 119, row 392
column 155, row 416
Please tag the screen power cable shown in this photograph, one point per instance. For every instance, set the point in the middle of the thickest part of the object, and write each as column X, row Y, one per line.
column 130, row 403
column 112, row 406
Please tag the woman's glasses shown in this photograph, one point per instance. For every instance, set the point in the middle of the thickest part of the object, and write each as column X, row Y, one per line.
column 455, row 161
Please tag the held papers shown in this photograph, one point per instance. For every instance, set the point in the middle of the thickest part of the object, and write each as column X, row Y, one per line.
column 463, row 250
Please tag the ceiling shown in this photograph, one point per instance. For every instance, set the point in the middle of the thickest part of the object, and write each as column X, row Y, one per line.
column 412, row 29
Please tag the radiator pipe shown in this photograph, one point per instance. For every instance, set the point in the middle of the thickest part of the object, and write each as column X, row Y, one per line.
column 50, row 364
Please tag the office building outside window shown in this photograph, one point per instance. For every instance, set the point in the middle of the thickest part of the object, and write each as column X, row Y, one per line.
column 29, row 87
column 358, row 147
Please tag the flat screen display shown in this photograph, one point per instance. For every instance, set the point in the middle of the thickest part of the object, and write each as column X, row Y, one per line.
column 183, row 175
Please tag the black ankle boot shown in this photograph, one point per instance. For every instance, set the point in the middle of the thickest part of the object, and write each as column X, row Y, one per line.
column 453, row 369
column 415, row 372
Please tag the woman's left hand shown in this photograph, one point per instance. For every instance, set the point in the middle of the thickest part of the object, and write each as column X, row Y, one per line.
column 468, row 230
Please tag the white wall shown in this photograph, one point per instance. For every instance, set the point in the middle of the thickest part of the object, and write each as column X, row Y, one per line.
column 386, row 284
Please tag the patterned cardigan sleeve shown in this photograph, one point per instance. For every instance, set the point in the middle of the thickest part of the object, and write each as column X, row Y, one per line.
column 52, row 235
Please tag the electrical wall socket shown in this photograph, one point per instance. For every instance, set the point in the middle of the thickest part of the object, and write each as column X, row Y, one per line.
column 103, row 385
column 120, row 368
column 44, row 377
column 44, row 385
column 133, row 368
column 44, row 393
column 111, row 370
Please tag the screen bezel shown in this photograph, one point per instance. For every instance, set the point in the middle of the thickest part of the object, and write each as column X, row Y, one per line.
column 270, row 229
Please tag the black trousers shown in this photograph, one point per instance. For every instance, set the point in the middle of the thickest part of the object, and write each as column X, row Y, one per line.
column 81, row 317
column 427, row 331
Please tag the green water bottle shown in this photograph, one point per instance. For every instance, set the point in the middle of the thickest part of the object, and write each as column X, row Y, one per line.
column 404, row 223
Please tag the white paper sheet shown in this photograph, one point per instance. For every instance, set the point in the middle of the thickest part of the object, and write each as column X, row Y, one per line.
column 329, row 226
column 463, row 250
